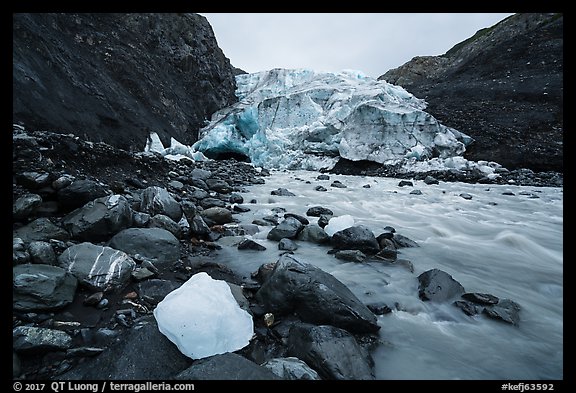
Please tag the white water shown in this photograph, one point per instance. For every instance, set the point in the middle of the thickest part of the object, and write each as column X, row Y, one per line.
column 513, row 249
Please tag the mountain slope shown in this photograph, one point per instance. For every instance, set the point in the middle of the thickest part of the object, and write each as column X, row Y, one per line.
column 503, row 87
column 117, row 77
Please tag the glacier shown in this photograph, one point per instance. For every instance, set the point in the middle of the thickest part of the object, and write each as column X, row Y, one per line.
column 203, row 318
column 305, row 119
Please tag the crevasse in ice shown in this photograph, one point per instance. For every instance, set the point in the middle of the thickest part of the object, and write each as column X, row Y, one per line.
column 306, row 119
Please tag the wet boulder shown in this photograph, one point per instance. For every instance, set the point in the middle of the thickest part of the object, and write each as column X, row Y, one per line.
column 29, row 339
column 157, row 200
column 356, row 238
column 291, row 368
column 316, row 296
column 99, row 219
column 437, row 285
column 79, row 193
column 26, row 206
column 288, row 228
column 41, row 229
column 227, row 366
column 41, row 287
column 156, row 244
column 334, row 353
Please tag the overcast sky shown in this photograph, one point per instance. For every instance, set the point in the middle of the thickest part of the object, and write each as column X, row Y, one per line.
column 372, row 43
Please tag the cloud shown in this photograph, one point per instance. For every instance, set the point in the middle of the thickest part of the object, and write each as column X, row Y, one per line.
column 372, row 43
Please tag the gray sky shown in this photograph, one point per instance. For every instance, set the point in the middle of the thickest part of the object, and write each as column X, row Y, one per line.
column 372, row 43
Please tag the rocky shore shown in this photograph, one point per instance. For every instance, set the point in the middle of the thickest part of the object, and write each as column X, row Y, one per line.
column 101, row 236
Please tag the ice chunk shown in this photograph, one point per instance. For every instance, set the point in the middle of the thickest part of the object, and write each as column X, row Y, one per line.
column 154, row 144
column 203, row 319
column 338, row 224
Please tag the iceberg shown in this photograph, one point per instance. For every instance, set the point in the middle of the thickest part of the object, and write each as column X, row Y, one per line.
column 304, row 119
column 203, row 318
column 176, row 152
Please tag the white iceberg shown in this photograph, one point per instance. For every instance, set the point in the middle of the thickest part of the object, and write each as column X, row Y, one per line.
column 339, row 223
column 203, row 319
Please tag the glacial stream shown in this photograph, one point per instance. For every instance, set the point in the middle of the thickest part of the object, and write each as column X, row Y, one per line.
column 510, row 246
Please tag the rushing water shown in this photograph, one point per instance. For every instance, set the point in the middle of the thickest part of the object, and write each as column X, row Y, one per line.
column 510, row 246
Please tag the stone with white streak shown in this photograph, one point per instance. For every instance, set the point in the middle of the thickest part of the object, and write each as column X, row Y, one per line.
column 157, row 200
column 97, row 267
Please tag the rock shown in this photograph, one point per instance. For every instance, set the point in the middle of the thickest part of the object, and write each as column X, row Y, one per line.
column 207, row 203
column 156, row 244
column 350, row 255
column 41, row 287
column 41, row 229
column 405, row 183
column 356, row 238
column 140, row 220
column 437, row 285
column 337, row 184
column 313, row 233
column 93, row 299
column 467, row 307
column 165, row 222
column 156, row 289
column 218, row 215
column 303, row 220
column 320, row 188
column 29, row 340
column 247, row 244
column 505, row 310
column 317, row 211
column 282, row 192
column 291, row 368
column 401, row 241
column 322, row 177
column 323, row 220
column 316, row 296
column 97, row 267
column 26, row 206
column 430, row 180
column 331, row 351
column 33, row 180
column 415, row 192
column 219, row 325
column 466, row 196
column 189, row 209
column 140, row 353
column 288, row 228
column 264, row 272
column 238, row 294
column 16, row 367
column 241, row 209
column 99, row 219
column 219, row 185
column 157, row 200
column 42, row 252
column 236, row 198
column 79, row 193
column 177, row 185
column 141, row 274
column 480, row 298
column 228, row 366
column 379, row 308
column 198, row 227
column 287, row 245
column 202, row 174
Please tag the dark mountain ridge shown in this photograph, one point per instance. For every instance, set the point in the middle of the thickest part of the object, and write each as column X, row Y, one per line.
column 116, row 77
column 503, row 87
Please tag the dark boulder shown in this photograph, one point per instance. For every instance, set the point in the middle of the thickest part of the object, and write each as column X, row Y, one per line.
column 156, row 244
column 217, row 215
column 291, row 368
column 165, row 222
column 480, row 298
column 356, row 238
column 157, row 200
column 289, row 228
column 41, row 287
column 29, row 340
column 41, row 229
column 282, row 192
column 141, row 353
column 317, row 211
column 247, row 244
column 99, row 219
column 332, row 352
column 316, row 296
column 313, row 233
column 505, row 310
column 227, row 366
column 437, row 285
column 79, row 193
column 287, row 245
column 26, row 206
